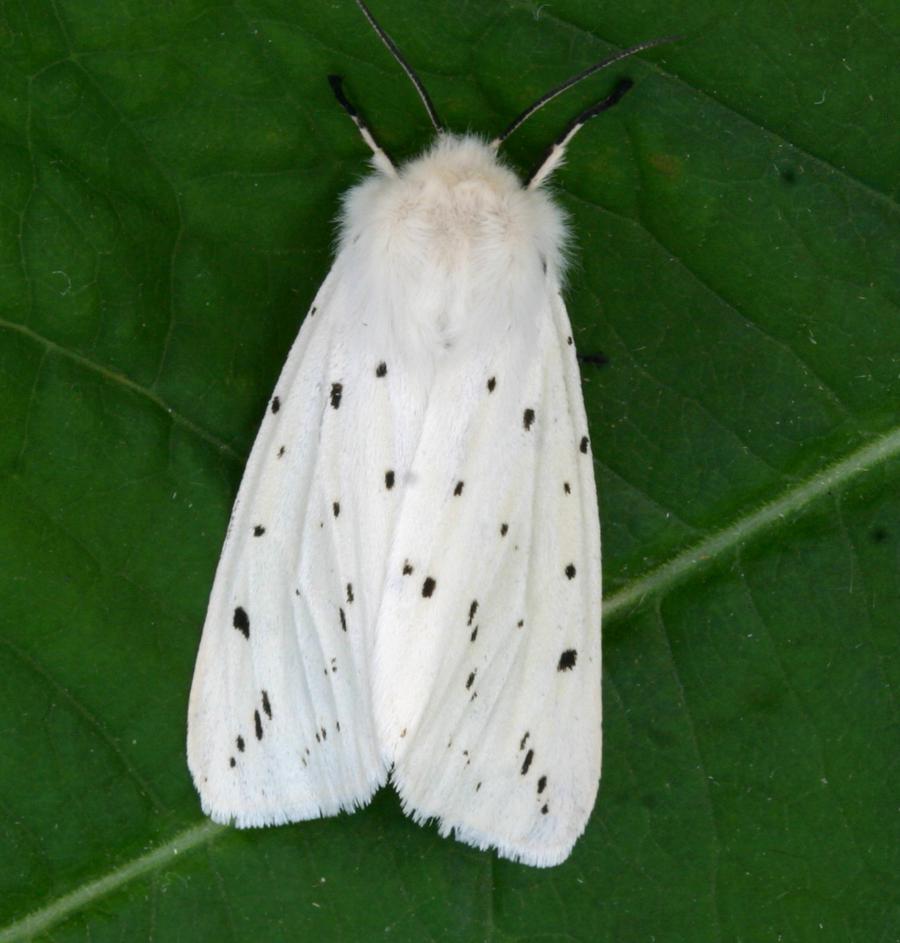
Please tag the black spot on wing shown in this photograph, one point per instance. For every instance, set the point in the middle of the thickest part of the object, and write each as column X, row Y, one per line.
column 266, row 706
column 258, row 530
column 567, row 660
column 336, row 508
column 545, row 809
column 241, row 621
column 428, row 587
column 281, row 451
column 570, row 571
column 240, row 743
column 458, row 490
column 276, row 404
column 473, row 608
column 349, row 593
column 528, row 418
column 504, row 529
column 474, row 634
column 584, row 445
column 471, row 679
column 407, row 568
column 526, row 763
column 389, row 479
column 567, row 488
column 337, row 391
column 257, row 725
column 232, row 762
column 381, row 370
column 492, row 384
column 542, row 784
column 524, row 740
column 343, row 620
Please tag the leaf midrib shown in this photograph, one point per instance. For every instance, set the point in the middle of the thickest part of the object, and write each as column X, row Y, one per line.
column 690, row 561
column 716, row 545
column 40, row 920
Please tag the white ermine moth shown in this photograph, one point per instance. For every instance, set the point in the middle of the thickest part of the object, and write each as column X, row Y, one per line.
column 409, row 588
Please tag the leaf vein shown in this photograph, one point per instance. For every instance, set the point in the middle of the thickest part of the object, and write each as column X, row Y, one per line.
column 119, row 378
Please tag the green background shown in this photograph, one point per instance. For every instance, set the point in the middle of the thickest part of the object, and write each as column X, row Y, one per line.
column 169, row 174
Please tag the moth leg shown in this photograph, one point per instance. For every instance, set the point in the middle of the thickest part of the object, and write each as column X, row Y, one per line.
column 382, row 161
column 557, row 149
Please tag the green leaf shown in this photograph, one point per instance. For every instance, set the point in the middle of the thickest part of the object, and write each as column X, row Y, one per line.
column 170, row 173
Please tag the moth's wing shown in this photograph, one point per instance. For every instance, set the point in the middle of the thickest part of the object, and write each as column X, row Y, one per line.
column 487, row 672
column 280, row 718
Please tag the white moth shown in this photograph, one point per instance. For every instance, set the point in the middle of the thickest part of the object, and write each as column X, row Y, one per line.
column 410, row 584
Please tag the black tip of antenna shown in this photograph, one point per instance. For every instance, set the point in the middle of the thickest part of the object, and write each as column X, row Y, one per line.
column 337, row 86
column 622, row 86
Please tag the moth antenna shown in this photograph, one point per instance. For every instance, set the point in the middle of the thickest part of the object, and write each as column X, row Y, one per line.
column 555, row 153
column 575, row 79
column 407, row 68
column 382, row 161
